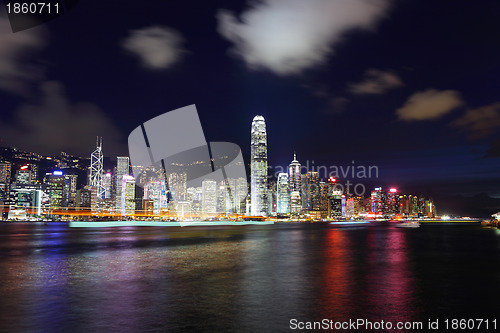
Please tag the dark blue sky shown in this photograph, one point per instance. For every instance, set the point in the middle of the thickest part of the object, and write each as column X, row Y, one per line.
column 411, row 86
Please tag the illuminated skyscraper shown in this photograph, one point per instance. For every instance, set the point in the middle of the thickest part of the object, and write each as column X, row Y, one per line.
column 294, row 174
column 295, row 203
column 230, row 195
column 240, row 195
column 106, row 183
column 258, row 167
column 336, row 204
column 83, row 198
column 23, row 175
column 128, row 195
column 209, row 196
column 282, row 195
column 156, row 193
column 72, row 184
column 5, row 172
column 294, row 182
column 408, row 204
column 122, row 169
column 430, row 208
column 177, row 184
column 96, row 163
column 392, row 202
column 377, row 200
column 323, row 196
column 58, row 189
column 311, row 191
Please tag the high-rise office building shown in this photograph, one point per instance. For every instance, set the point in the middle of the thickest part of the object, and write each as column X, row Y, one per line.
column 392, row 202
column 295, row 203
column 128, row 195
column 242, row 194
column 310, row 191
column 59, row 189
column 359, row 206
column 71, row 185
column 336, row 205
column 350, row 207
column 294, row 176
column 231, row 195
column 295, row 184
column 209, row 196
column 156, row 193
column 408, row 204
column 27, row 174
column 83, row 198
column 122, row 169
column 96, row 170
column 28, row 198
column 195, row 195
column 282, row 194
column 430, row 208
column 5, row 172
column 177, row 184
column 23, row 175
column 324, row 192
column 223, row 198
column 258, row 167
column 34, row 173
column 377, row 200
column 106, row 183
column 233, row 192
column 4, row 194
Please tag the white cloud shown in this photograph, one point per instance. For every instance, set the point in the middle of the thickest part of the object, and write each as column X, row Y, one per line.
column 55, row 124
column 16, row 72
column 290, row 36
column 158, row 47
column 429, row 104
column 376, row 82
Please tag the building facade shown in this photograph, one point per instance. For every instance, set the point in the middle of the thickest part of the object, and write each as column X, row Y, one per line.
column 282, row 194
column 258, row 167
column 122, row 169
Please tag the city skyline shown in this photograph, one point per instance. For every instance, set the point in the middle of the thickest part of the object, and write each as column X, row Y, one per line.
column 414, row 98
column 300, row 193
column 297, row 175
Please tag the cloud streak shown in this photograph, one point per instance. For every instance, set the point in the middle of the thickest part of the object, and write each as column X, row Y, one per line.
column 480, row 122
column 16, row 70
column 290, row 36
column 376, row 82
column 429, row 104
column 157, row 47
column 55, row 124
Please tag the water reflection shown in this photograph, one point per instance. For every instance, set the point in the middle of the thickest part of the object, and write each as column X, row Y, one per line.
column 253, row 278
column 336, row 277
column 389, row 281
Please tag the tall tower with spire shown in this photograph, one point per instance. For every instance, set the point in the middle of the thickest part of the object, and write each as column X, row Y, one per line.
column 96, row 167
column 294, row 174
column 294, row 179
column 258, row 167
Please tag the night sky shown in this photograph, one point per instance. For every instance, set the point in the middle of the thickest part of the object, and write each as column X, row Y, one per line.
column 411, row 86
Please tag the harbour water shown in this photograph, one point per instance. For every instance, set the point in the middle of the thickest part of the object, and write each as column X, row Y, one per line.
column 242, row 278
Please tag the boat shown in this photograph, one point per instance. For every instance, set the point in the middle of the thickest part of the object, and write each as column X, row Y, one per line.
column 409, row 224
column 496, row 220
column 348, row 223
